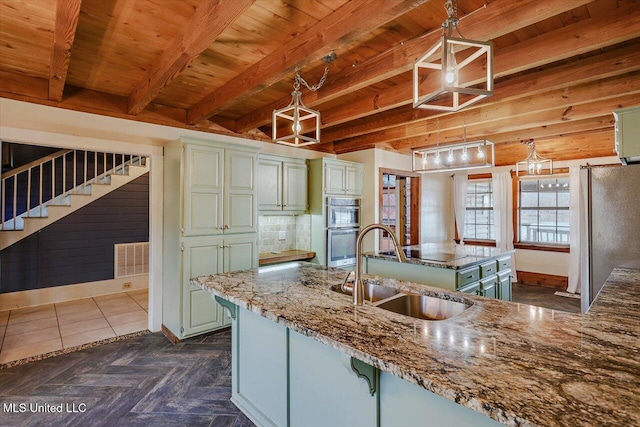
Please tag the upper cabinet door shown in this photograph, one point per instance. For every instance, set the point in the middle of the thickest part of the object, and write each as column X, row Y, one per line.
column 240, row 202
column 295, row 187
column 203, row 189
column 353, row 180
column 334, row 179
column 269, row 185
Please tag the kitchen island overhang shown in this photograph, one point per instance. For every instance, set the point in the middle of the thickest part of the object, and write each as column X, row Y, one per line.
column 518, row 364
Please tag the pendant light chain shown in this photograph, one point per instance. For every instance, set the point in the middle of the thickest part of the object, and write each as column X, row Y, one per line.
column 298, row 80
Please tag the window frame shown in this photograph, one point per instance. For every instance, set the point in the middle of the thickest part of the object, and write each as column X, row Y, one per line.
column 517, row 244
column 480, row 242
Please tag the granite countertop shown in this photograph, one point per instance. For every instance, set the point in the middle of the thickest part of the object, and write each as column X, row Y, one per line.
column 518, row 364
column 443, row 255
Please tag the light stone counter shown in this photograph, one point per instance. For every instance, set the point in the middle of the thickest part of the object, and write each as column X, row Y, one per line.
column 518, row 364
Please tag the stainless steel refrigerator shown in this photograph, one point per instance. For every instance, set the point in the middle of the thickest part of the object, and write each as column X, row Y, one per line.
column 614, row 223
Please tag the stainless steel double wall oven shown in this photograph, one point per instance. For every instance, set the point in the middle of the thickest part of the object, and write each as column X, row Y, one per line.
column 343, row 226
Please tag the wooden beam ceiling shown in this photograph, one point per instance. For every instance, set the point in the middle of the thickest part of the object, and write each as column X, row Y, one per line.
column 207, row 23
column 495, row 19
column 619, row 25
column 623, row 60
column 341, row 27
column 67, row 12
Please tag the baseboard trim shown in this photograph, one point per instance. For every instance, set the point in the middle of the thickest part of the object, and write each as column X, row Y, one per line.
column 541, row 279
column 170, row 335
column 35, row 297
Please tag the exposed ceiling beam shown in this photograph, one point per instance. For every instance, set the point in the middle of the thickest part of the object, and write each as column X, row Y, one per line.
column 208, row 21
column 584, row 36
column 493, row 20
column 569, row 129
column 67, row 13
column 420, row 135
column 339, row 28
column 616, row 62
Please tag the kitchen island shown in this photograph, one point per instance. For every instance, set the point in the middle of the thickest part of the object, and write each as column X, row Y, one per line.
column 478, row 270
column 513, row 363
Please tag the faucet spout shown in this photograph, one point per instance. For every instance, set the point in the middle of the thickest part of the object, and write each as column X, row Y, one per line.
column 358, row 286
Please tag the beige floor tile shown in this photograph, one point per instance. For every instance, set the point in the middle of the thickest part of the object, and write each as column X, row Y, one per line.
column 83, row 326
column 133, row 316
column 92, row 313
column 28, row 350
column 33, row 325
column 109, row 297
column 76, row 306
column 131, row 327
column 120, row 308
column 32, row 313
column 138, row 292
column 87, row 337
column 41, row 335
column 4, row 317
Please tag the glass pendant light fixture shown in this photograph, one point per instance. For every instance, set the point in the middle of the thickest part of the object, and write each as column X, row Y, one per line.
column 456, row 89
column 297, row 125
column 534, row 164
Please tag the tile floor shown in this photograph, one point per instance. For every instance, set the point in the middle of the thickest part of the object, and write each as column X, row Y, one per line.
column 38, row 330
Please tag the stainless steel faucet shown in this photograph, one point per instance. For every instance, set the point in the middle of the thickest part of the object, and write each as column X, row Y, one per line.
column 358, row 286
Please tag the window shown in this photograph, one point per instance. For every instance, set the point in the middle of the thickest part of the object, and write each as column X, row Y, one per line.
column 478, row 219
column 544, row 211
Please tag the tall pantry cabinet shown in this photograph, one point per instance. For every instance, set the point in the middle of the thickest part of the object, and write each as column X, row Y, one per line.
column 210, row 227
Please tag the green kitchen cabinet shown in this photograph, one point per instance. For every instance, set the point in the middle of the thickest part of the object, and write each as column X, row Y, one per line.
column 259, row 368
column 403, row 404
column 324, row 389
column 209, row 227
column 282, row 185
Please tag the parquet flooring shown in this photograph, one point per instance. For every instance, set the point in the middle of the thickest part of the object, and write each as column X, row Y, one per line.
column 142, row 381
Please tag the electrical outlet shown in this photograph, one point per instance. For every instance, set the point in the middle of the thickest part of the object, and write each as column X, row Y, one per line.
column 126, row 285
column 282, row 235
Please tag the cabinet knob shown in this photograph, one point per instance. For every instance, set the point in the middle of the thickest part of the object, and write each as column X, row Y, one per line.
column 226, row 227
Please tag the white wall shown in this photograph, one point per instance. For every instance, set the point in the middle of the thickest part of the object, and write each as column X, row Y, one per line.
column 437, row 209
column 28, row 123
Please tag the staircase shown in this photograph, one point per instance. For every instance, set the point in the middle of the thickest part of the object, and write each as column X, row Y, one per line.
column 48, row 189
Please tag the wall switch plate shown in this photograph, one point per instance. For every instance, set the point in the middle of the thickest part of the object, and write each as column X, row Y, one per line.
column 282, row 235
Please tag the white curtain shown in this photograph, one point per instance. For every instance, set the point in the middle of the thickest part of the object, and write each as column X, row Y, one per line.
column 460, row 202
column 503, row 215
column 577, row 229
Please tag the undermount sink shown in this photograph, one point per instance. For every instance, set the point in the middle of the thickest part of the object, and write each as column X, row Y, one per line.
column 423, row 307
column 372, row 293
column 417, row 306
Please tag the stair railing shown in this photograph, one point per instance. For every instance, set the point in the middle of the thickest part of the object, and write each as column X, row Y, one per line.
column 28, row 182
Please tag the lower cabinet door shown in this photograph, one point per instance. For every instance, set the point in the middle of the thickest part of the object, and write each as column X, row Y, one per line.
column 323, row 388
column 490, row 287
column 201, row 256
column 259, row 368
column 472, row 288
column 403, row 404
column 504, row 280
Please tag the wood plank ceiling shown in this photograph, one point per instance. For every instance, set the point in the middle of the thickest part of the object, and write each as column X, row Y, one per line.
column 223, row 66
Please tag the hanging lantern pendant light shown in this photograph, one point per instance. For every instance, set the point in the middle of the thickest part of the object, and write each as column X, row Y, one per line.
column 297, row 125
column 455, row 90
column 534, row 164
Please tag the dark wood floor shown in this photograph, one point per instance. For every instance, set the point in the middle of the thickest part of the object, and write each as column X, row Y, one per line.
column 544, row 297
column 142, row 381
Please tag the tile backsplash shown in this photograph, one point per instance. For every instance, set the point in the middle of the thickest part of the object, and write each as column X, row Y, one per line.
column 283, row 233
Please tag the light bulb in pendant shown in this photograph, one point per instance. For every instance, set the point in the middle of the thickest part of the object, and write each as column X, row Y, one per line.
column 450, row 156
column 295, row 127
column 436, row 159
column 538, row 168
column 451, row 71
column 424, row 160
column 464, row 153
column 480, row 152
